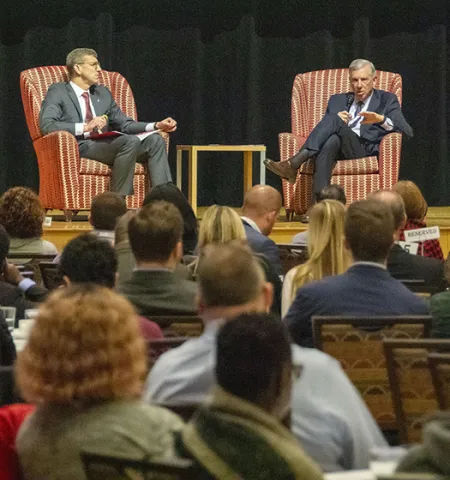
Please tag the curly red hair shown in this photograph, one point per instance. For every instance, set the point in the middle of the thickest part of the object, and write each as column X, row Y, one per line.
column 85, row 346
column 21, row 213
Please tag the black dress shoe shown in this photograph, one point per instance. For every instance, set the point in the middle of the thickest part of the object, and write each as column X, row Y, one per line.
column 282, row 169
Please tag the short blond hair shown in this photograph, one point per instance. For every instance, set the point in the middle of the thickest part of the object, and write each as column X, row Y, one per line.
column 84, row 347
column 220, row 225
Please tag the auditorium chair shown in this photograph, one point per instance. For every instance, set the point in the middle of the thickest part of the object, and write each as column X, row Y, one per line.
column 67, row 181
column 411, row 383
column 310, row 94
column 357, row 342
column 439, row 364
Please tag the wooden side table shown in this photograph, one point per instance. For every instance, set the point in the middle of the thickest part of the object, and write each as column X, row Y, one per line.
column 192, row 165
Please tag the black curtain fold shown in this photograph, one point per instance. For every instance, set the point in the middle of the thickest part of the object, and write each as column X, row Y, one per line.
column 235, row 86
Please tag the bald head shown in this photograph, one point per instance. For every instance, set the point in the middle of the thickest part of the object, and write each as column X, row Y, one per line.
column 395, row 202
column 262, row 204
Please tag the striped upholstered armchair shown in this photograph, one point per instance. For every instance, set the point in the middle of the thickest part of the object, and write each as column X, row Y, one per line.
column 358, row 177
column 67, row 181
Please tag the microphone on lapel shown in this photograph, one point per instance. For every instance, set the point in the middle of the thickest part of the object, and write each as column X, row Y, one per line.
column 350, row 99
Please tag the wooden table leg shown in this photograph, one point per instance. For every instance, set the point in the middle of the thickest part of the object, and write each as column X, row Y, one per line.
column 192, row 194
column 179, row 168
column 248, row 169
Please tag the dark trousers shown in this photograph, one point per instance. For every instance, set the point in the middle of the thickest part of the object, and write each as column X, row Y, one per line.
column 122, row 153
column 333, row 140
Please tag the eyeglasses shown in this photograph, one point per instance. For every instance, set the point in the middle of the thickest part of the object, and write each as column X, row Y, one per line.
column 95, row 64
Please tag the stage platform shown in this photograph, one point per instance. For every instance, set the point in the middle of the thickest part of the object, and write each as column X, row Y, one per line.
column 61, row 232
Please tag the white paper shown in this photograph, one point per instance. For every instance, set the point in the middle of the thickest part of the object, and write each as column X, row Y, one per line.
column 421, row 234
column 409, row 247
column 144, row 135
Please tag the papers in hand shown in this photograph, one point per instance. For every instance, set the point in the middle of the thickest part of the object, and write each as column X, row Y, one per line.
column 115, row 133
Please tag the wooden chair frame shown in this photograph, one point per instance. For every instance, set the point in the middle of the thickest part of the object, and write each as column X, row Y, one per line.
column 435, row 360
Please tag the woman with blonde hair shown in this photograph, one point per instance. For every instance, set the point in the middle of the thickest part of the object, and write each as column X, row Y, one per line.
column 416, row 209
column 327, row 254
column 83, row 367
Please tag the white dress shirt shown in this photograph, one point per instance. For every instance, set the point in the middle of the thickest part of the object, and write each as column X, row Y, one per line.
column 387, row 124
column 329, row 418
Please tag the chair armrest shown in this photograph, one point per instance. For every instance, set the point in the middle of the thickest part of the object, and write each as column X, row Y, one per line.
column 166, row 137
column 389, row 159
column 59, row 166
column 289, row 144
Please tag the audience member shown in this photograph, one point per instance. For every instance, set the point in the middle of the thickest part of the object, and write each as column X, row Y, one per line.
column 440, row 309
column 366, row 288
column 260, row 212
column 83, row 368
column 106, row 209
column 126, row 262
column 326, row 251
column 432, row 455
column 238, row 433
column 89, row 259
column 332, row 192
column 15, row 290
column 155, row 237
column 22, row 215
column 328, row 417
column 221, row 225
column 416, row 208
column 401, row 264
column 172, row 194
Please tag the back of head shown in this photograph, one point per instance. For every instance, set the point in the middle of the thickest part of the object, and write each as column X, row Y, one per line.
column 261, row 199
column 155, row 231
column 395, row 202
column 253, row 353
column 87, row 259
column 229, row 275
column 85, row 347
column 416, row 206
column 4, row 245
column 332, row 192
column 220, row 225
column 106, row 209
column 21, row 213
column 369, row 230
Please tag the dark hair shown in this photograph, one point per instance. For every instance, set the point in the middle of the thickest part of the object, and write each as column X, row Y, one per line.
column 332, row 192
column 106, row 209
column 4, row 245
column 172, row 194
column 87, row 259
column 369, row 230
column 155, row 231
column 252, row 351
column 21, row 213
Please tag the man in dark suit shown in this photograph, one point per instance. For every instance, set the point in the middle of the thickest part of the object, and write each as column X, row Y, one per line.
column 353, row 126
column 155, row 234
column 260, row 211
column 401, row 264
column 366, row 288
column 84, row 108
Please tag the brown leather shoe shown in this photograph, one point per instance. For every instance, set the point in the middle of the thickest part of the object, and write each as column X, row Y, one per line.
column 282, row 169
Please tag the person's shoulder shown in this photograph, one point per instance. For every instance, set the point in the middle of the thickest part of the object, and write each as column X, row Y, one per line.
column 153, row 413
column 312, row 358
column 58, row 86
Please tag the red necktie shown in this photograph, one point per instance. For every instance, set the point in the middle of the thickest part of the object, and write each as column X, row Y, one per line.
column 89, row 115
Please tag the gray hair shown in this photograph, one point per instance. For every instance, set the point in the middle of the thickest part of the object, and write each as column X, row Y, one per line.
column 361, row 63
column 76, row 56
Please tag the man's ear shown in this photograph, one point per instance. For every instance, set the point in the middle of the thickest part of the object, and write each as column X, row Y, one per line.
column 116, row 278
column 67, row 281
column 90, row 218
column 179, row 250
column 267, row 296
column 346, row 245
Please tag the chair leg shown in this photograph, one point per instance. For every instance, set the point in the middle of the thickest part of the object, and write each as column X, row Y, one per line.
column 68, row 215
column 290, row 215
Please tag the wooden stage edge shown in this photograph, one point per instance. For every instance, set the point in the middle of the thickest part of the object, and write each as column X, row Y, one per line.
column 61, row 232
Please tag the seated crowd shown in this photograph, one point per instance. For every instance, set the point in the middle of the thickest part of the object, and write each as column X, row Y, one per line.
column 268, row 404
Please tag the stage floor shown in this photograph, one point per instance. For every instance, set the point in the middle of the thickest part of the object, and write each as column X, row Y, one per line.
column 61, row 232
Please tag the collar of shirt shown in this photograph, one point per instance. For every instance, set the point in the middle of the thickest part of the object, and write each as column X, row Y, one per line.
column 365, row 102
column 370, row 264
column 78, row 90
column 149, row 269
column 251, row 223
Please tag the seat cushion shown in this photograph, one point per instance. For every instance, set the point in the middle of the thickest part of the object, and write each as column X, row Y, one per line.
column 358, row 166
column 92, row 167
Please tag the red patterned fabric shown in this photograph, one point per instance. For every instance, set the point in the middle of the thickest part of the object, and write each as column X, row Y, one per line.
column 428, row 248
column 66, row 181
column 310, row 94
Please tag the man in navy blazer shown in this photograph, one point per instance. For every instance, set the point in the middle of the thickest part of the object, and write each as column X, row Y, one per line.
column 83, row 108
column 260, row 212
column 353, row 126
column 366, row 288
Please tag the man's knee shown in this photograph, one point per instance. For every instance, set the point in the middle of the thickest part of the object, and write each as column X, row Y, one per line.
column 131, row 142
column 154, row 142
column 333, row 143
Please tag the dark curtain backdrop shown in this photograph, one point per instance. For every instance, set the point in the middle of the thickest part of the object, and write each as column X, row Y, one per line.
column 227, row 77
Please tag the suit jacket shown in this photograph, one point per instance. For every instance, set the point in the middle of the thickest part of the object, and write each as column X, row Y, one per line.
column 259, row 243
column 160, row 292
column 61, row 110
column 362, row 290
column 384, row 103
column 405, row 266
